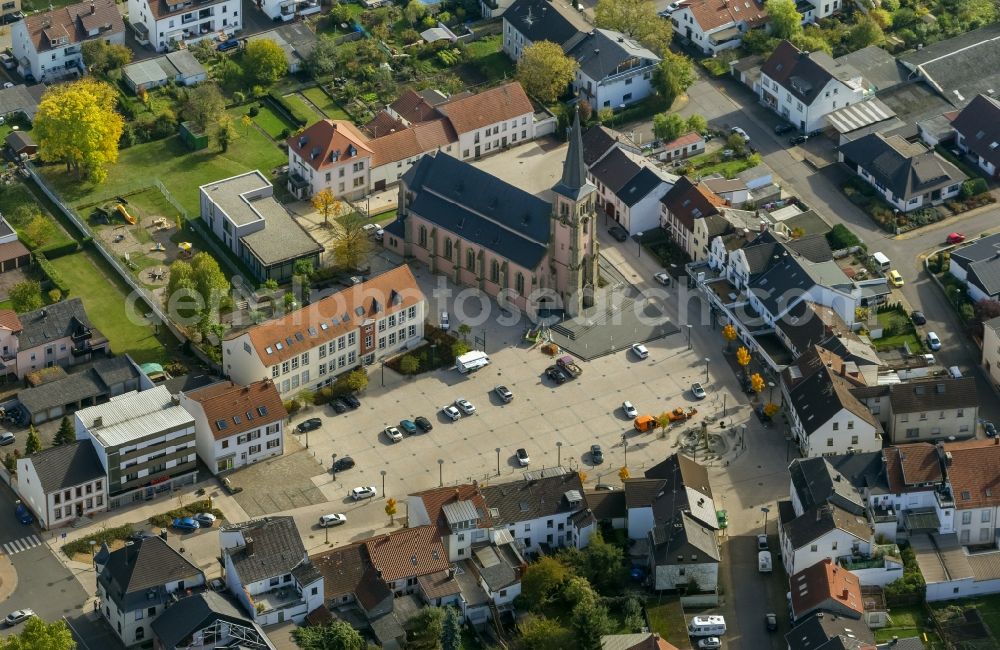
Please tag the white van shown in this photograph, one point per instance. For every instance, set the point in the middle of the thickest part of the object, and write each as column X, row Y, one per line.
column 471, row 361
column 954, row 372
column 707, row 626
column 882, row 262
column 764, row 562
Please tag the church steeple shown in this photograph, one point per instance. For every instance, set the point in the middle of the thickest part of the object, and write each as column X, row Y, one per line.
column 573, row 184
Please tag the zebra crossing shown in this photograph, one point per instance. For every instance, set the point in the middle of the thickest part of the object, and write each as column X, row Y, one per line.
column 23, row 544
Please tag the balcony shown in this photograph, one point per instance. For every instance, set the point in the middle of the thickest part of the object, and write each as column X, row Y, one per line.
column 944, row 498
column 277, row 598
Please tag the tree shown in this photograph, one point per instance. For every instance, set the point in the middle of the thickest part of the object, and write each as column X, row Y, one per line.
column 770, row 409
column 424, row 629
column 545, row 71
column 264, row 62
column 390, row 509
column 757, row 382
column 637, row 18
column 39, row 635
column 585, row 109
column 26, row 296
column 322, row 61
column 351, row 244
column 743, row 357
column 668, row 126
column 674, row 75
column 204, row 105
column 458, row 348
column 541, row 633
column 451, row 635
column 864, row 33
column 101, row 56
column 840, row 237
column 632, row 613
column 464, row 330
column 225, row 133
column 409, row 365
column 697, row 123
column 590, row 622
column 76, row 124
column 543, row 581
column 33, row 444
column 66, row 434
column 786, row 21
column 736, row 142
column 986, row 309
column 623, row 474
column 730, row 334
column 39, row 231
column 209, row 280
column 414, row 12
column 326, row 204
column 338, row 635
column 578, row 589
column 601, row 564
column 663, row 420
column 975, row 13
column 356, row 380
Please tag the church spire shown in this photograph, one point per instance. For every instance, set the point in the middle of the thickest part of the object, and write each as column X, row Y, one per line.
column 573, row 183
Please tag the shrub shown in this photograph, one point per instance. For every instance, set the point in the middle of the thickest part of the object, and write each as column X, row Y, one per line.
column 55, row 251
column 103, row 536
column 191, row 509
column 239, row 98
column 254, row 111
column 50, row 272
column 973, row 187
column 840, row 237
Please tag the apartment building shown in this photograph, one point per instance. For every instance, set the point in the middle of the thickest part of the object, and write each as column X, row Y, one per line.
column 944, row 408
column 171, row 24
column 62, row 484
column 310, row 347
column 48, row 45
column 59, row 334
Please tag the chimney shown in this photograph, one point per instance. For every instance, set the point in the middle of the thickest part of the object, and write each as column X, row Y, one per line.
column 846, row 594
column 93, row 8
column 129, row 553
column 249, row 546
column 98, row 422
column 843, row 370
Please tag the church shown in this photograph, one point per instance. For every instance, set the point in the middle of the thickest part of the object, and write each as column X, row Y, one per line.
column 482, row 232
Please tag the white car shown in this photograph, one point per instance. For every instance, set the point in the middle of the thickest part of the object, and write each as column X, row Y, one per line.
column 710, row 643
column 451, row 412
column 465, row 406
column 445, row 323
column 662, row 277
column 363, row 492
column 740, row 132
column 933, row 342
column 522, row 457
column 331, row 520
column 697, row 391
column 504, row 394
column 393, row 434
column 640, row 350
column 18, row 616
column 204, row 519
column 630, row 411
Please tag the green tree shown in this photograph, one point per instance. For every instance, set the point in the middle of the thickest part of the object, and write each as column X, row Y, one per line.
column 26, row 296
column 351, row 244
column 669, row 126
column 204, row 105
column 602, row 564
column 458, row 348
column 209, row 280
column 542, row 582
column 39, row 231
column 225, row 133
column 697, row 123
column 590, row 621
column 632, row 615
column 864, row 33
column 322, row 61
column 975, row 13
column 541, row 633
column 451, row 635
column 786, row 21
column 39, row 635
column 409, row 365
column 674, row 75
column 414, row 12
column 736, row 142
column 464, row 330
column 424, row 629
column 76, row 124
column 66, row 434
column 33, row 444
column 264, row 62
column 578, row 589
column 545, row 71
column 637, row 18
column 101, row 56
column 338, row 635
column 356, row 380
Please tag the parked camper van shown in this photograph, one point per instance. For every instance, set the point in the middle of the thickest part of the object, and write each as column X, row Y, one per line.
column 707, row 626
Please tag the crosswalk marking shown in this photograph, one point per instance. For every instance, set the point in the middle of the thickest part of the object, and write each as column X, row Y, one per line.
column 23, row 544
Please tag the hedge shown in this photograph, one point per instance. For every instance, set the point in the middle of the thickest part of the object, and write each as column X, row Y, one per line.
column 103, row 536
column 191, row 509
column 51, row 273
column 279, row 104
column 56, row 251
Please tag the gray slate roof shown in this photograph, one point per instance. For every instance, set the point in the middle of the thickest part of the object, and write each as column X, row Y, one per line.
column 818, row 481
column 53, row 322
column 940, row 394
column 962, row 66
column 615, row 170
column 574, row 183
column 802, row 74
column 136, row 575
column 66, row 466
column 477, row 206
column 602, row 53
column 640, row 186
column 540, row 20
column 979, row 124
column 827, row 632
column 277, row 550
column 598, row 140
column 684, row 537
column 21, row 99
column 816, row 522
column 878, row 67
column 530, row 499
column 92, row 382
column 906, row 170
column 187, row 616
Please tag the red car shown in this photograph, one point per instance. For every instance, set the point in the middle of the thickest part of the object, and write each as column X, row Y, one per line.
column 955, row 238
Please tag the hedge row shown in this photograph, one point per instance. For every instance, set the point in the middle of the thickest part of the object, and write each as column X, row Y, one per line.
column 56, row 251
column 278, row 103
column 103, row 536
column 50, row 272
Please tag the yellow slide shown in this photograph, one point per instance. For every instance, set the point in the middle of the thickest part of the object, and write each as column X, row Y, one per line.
column 124, row 213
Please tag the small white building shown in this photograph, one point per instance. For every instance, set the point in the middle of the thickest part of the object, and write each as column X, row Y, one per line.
column 48, row 45
column 236, row 425
column 170, row 24
column 614, row 70
column 288, row 10
column 684, row 551
column 62, row 484
column 267, row 569
column 822, row 532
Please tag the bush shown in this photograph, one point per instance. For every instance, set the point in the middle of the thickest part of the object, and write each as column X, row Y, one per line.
column 103, row 536
column 254, row 111
column 973, row 187
column 50, row 272
column 55, row 251
column 840, row 237
column 278, row 103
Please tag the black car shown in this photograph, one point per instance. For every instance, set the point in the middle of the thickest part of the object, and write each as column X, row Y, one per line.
column 771, row 621
column 990, row 428
column 783, row 128
column 619, row 233
column 338, row 406
column 797, row 139
column 918, row 318
column 351, row 401
column 423, row 423
column 343, row 463
column 556, row 374
column 596, row 455
column 309, row 425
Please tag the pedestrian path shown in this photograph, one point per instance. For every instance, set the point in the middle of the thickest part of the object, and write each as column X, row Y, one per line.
column 23, row 544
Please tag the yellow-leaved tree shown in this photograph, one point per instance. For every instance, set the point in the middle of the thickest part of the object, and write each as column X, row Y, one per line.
column 623, row 473
column 77, row 124
column 743, row 357
column 756, row 382
column 729, row 333
column 545, row 71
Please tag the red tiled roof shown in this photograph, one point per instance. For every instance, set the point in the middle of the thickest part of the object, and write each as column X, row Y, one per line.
column 438, row 584
column 9, row 320
column 688, row 201
column 383, row 124
column 73, row 22
column 316, row 144
column 712, row 14
column 239, row 406
column 413, row 108
column 414, row 141
column 283, row 338
column 975, row 472
column 436, row 498
column 908, row 467
column 684, row 140
column 825, row 582
column 407, row 553
column 488, row 107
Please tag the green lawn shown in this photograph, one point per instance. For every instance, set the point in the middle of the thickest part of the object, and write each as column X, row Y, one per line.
column 904, row 332
column 272, row 122
column 326, row 103
column 487, row 56
column 713, row 163
column 104, row 296
column 384, row 217
column 907, row 622
column 303, row 108
column 179, row 169
column 17, row 194
column 667, row 619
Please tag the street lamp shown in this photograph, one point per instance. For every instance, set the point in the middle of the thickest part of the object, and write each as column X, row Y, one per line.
column 382, row 472
column 770, row 393
column 706, row 369
column 92, row 544
column 440, row 475
column 690, row 327
column 498, row 460
column 765, row 510
column 333, row 465
column 638, row 238
column 625, row 445
column 559, row 453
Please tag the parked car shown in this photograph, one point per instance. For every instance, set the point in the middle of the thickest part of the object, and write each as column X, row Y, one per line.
column 629, row 409
column 933, row 342
column 740, row 132
column 990, row 429
column 351, row 401
column 522, row 457
column 709, row 643
column 955, row 238
column 338, row 406
column 618, row 233
column 797, row 139
column 331, row 520
column 7, row 438
column 363, row 492
column 309, row 425
column 423, row 423
column 895, row 278
column 465, row 406
column 556, row 374
column 225, row 46
column 783, row 128
column 918, row 318
column 343, row 463
column 204, row 519
column 451, row 412
column 762, row 542
column 771, row 622
column 408, row 426
column 504, row 394
column 186, row 524
column 392, row 433
column 445, row 323
column 596, row 455
column 663, row 278
column 639, row 350
column 697, row 391
column 18, row 616
column 23, row 514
